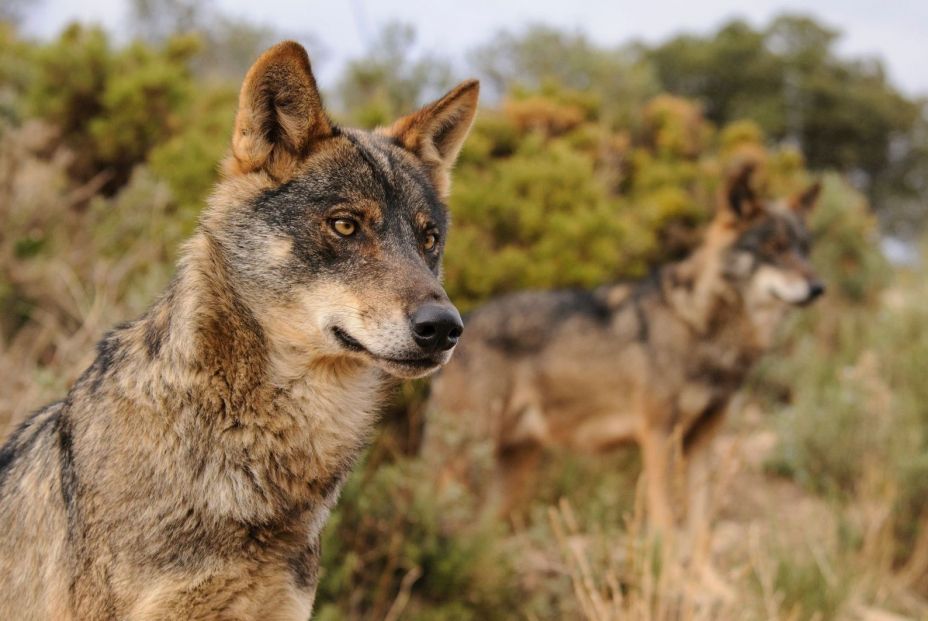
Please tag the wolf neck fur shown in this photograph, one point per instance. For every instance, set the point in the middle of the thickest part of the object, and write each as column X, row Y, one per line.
column 704, row 298
column 294, row 437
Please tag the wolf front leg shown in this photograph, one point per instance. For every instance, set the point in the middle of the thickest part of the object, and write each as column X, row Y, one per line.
column 516, row 478
column 697, row 549
column 698, row 461
column 656, row 447
column 697, row 531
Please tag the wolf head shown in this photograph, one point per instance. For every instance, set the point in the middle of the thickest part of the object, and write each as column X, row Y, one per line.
column 766, row 256
column 334, row 237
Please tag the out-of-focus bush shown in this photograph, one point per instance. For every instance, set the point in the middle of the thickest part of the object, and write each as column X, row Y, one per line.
column 111, row 105
column 675, row 127
column 846, row 248
column 857, row 414
column 15, row 70
column 189, row 160
column 546, row 195
column 392, row 544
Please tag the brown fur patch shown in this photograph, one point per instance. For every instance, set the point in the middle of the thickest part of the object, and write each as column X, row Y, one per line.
column 280, row 114
column 436, row 133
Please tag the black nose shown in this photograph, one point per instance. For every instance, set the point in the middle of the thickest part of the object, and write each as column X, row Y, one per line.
column 436, row 327
column 816, row 289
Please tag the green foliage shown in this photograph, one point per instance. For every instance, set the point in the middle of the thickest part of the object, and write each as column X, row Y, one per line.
column 70, row 77
column 807, row 591
column 15, row 72
column 504, row 215
column 844, row 113
column 675, row 127
column 390, row 527
column 547, row 196
column 111, row 106
column 138, row 104
column 189, row 160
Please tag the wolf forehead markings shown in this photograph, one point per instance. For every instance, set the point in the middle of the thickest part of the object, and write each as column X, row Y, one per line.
column 192, row 466
column 385, row 189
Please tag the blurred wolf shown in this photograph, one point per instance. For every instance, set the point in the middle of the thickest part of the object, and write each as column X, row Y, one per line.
column 643, row 362
column 189, row 471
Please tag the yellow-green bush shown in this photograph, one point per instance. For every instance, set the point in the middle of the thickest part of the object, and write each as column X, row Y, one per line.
column 547, row 196
column 112, row 106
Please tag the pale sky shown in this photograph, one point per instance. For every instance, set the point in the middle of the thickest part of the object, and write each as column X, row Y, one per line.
column 894, row 30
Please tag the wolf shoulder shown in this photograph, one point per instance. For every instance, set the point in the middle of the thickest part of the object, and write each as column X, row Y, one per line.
column 33, row 516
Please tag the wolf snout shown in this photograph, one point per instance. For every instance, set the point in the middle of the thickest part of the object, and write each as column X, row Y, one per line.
column 436, row 327
column 816, row 289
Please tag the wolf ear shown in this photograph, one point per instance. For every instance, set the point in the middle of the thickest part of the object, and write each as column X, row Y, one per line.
column 436, row 133
column 739, row 196
column 280, row 113
column 804, row 202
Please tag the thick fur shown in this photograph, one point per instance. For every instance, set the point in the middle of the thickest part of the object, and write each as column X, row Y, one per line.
column 643, row 362
column 188, row 472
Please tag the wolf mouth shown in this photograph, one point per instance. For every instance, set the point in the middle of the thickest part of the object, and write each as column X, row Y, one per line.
column 348, row 341
column 801, row 303
column 352, row 344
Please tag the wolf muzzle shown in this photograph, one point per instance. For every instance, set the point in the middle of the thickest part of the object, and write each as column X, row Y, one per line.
column 436, row 327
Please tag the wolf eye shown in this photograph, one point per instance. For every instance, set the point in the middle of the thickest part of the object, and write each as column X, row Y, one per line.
column 779, row 245
column 344, row 227
column 431, row 240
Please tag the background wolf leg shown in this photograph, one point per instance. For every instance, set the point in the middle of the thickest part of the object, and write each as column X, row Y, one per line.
column 517, row 473
column 699, row 468
column 656, row 445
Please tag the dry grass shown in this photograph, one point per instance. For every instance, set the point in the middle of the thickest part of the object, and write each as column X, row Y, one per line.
column 644, row 583
column 72, row 264
column 776, row 554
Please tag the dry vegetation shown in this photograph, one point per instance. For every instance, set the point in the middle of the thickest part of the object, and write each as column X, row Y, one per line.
column 821, row 484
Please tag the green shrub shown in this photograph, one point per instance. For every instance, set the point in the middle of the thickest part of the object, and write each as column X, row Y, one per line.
column 390, row 524
column 807, row 591
column 189, row 160
column 112, row 106
column 857, row 395
column 546, row 196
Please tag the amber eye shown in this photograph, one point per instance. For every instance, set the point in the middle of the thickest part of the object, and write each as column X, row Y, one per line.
column 779, row 245
column 431, row 240
column 344, row 227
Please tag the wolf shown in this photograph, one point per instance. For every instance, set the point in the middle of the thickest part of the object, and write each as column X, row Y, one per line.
column 189, row 470
column 653, row 362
